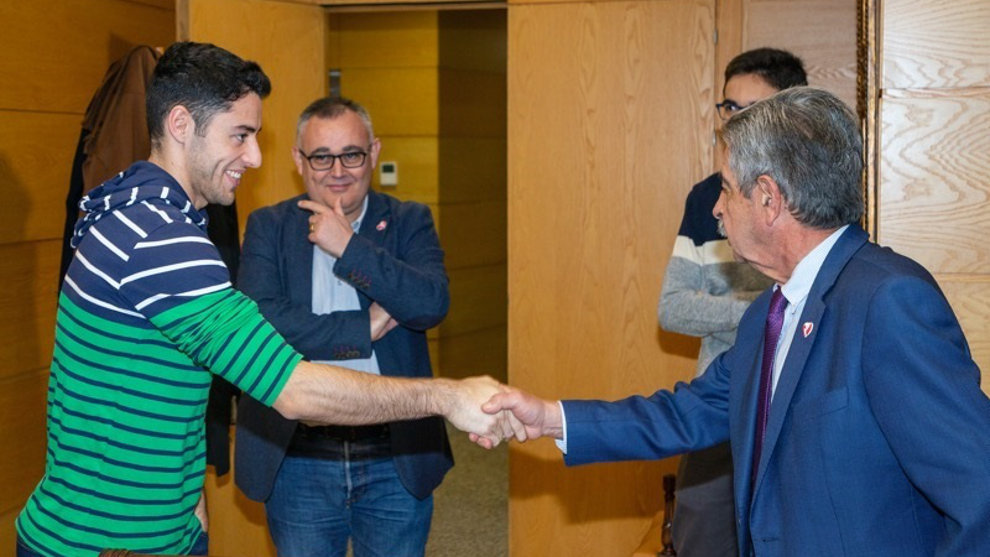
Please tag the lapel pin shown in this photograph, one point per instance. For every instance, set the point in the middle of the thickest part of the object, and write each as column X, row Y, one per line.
column 381, row 225
column 807, row 328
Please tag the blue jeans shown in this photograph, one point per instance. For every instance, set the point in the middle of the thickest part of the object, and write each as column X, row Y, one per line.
column 199, row 548
column 317, row 503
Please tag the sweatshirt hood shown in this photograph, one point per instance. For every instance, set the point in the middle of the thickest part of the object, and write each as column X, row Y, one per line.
column 143, row 182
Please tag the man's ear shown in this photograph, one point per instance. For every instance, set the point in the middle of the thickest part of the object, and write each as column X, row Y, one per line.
column 768, row 196
column 299, row 159
column 376, row 151
column 179, row 124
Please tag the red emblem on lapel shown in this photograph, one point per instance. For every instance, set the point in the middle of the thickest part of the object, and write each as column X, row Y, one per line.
column 807, row 328
column 381, row 225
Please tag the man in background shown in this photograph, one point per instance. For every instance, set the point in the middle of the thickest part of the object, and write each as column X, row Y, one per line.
column 850, row 397
column 352, row 277
column 705, row 292
column 147, row 316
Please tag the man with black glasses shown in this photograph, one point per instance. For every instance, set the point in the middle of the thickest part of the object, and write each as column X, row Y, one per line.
column 353, row 277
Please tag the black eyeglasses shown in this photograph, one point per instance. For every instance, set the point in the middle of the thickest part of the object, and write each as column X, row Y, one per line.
column 324, row 161
column 727, row 109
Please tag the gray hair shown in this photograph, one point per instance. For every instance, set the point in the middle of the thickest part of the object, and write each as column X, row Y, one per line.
column 808, row 141
column 332, row 107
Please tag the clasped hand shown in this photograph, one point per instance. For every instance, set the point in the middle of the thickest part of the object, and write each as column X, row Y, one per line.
column 511, row 412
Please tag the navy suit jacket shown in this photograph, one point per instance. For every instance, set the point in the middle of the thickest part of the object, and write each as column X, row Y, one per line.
column 878, row 441
column 395, row 259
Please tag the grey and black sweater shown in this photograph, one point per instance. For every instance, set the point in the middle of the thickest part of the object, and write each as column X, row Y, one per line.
column 705, row 290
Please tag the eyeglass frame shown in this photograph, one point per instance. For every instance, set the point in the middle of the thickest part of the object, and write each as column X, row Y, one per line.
column 333, row 159
column 732, row 106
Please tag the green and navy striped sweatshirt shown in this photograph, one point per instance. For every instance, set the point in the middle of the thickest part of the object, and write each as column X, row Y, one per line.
column 146, row 313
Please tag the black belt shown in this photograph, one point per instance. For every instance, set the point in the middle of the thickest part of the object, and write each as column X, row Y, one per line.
column 305, row 433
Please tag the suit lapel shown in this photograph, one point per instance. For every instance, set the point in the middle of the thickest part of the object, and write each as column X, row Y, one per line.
column 797, row 356
column 299, row 252
column 374, row 227
column 376, row 219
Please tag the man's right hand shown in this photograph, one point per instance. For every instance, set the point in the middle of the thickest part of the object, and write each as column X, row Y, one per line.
column 464, row 411
column 531, row 416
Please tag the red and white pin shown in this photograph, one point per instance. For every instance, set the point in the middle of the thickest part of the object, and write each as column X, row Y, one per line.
column 807, row 328
column 381, row 225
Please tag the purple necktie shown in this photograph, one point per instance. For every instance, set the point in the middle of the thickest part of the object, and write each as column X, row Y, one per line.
column 771, row 334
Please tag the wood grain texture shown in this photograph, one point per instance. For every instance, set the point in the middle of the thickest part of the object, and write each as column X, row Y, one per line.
column 29, row 271
column 237, row 524
column 8, row 534
column 36, row 151
column 821, row 32
column 935, row 43
column 482, row 352
column 22, row 436
column 473, row 103
column 933, row 189
column 477, row 300
column 609, row 115
column 401, row 100
column 416, row 157
column 472, row 188
column 472, row 39
column 56, row 52
column 472, row 169
column 287, row 40
column 970, row 300
column 385, row 40
column 474, row 234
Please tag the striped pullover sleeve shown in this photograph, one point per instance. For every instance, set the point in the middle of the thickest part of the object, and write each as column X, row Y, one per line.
column 174, row 277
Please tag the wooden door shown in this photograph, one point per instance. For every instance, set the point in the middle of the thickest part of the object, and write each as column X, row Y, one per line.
column 929, row 149
column 609, row 125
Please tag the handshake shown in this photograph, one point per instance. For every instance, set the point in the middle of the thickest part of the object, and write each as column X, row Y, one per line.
column 491, row 412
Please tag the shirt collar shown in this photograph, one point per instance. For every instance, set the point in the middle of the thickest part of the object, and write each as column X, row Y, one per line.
column 356, row 225
column 796, row 289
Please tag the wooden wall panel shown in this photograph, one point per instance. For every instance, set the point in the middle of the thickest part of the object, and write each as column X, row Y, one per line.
column 237, row 524
column 483, row 352
column 609, row 121
column 935, row 44
column 288, row 41
column 416, row 157
column 474, row 234
column 478, row 162
column 933, row 188
column 477, row 300
column 472, row 189
column 22, row 427
column 56, row 51
column 401, row 100
column 473, row 103
column 36, row 150
column 821, row 32
column 400, row 39
column 29, row 271
column 970, row 299
column 55, row 57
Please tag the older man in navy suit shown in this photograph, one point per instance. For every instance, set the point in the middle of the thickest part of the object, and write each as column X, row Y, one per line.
column 352, row 277
column 852, row 403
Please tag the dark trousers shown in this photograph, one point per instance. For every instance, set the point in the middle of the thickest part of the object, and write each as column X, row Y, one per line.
column 704, row 521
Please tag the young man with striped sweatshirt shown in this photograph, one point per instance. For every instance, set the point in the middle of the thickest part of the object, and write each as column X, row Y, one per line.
column 147, row 314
